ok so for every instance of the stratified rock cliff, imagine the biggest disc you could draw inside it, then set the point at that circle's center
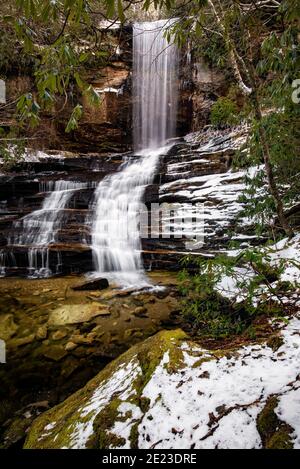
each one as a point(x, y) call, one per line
point(194, 178)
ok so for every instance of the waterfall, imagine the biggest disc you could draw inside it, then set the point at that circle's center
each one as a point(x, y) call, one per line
point(116, 242)
point(155, 70)
point(39, 229)
point(7, 259)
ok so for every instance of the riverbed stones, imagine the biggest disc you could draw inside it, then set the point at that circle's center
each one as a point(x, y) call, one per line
point(96, 284)
point(79, 339)
point(117, 293)
point(7, 326)
point(18, 342)
point(134, 332)
point(140, 312)
point(58, 335)
point(74, 314)
point(70, 346)
point(55, 352)
point(42, 332)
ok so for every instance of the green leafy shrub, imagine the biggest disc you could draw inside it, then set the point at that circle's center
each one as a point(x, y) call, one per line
point(256, 292)
point(224, 112)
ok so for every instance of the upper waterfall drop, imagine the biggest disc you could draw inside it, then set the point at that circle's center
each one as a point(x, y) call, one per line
point(155, 85)
point(116, 242)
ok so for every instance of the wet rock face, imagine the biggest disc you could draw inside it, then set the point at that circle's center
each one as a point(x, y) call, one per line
point(108, 127)
point(199, 88)
point(201, 193)
point(105, 128)
point(24, 191)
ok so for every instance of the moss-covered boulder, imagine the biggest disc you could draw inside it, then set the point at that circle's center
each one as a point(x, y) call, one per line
point(168, 392)
point(85, 419)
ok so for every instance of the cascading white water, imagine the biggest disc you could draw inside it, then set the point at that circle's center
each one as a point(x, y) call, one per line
point(155, 76)
point(116, 240)
point(6, 259)
point(39, 228)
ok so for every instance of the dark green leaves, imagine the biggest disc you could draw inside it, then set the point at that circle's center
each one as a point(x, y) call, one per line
point(75, 116)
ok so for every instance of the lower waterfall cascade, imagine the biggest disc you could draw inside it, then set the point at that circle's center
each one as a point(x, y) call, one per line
point(116, 239)
point(38, 230)
point(116, 243)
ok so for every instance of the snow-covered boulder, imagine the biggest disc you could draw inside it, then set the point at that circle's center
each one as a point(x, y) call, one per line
point(168, 392)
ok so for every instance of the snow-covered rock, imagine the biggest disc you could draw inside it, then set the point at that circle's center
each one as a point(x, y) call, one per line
point(168, 392)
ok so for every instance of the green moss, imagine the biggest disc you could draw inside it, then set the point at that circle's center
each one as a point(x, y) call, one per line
point(274, 433)
point(199, 362)
point(281, 439)
point(134, 435)
point(275, 343)
point(144, 404)
point(15, 432)
point(102, 437)
point(267, 420)
point(150, 357)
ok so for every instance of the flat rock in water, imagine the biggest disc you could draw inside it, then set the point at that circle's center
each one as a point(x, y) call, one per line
point(74, 314)
point(96, 284)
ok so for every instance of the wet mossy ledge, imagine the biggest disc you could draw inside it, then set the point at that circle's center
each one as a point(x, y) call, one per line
point(168, 391)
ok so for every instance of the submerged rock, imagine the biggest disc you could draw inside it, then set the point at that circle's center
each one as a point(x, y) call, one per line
point(55, 352)
point(58, 335)
point(140, 312)
point(70, 346)
point(74, 314)
point(7, 326)
point(18, 342)
point(168, 392)
point(96, 284)
point(42, 332)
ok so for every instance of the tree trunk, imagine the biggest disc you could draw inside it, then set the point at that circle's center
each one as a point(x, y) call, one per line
point(252, 91)
point(268, 168)
point(233, 55)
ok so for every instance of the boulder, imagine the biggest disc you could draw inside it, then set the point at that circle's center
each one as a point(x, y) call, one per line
point(96, 284)
point(18, 342)
point(87, 409)
point(140, 312)
point(170, 392)
point(70, 346)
